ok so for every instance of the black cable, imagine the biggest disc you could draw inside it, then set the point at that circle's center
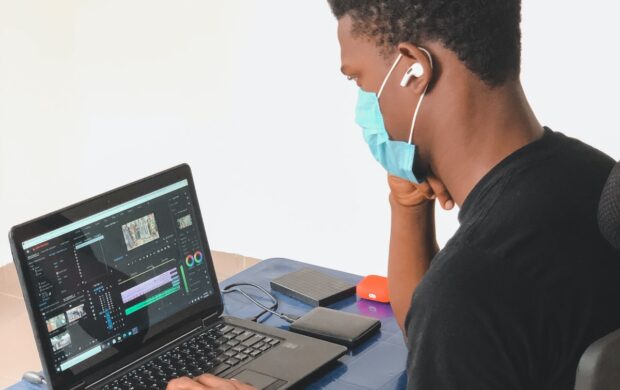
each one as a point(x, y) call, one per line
point(233, 288)
point(266, 310)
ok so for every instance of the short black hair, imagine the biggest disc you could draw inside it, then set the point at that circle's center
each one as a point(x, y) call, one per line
point(484, 34)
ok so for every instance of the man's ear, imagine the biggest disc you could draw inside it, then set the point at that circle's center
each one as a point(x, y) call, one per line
point(419, 67)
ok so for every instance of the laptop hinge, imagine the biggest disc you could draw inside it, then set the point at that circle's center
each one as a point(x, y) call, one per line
point(78, 386)
point(208, 320)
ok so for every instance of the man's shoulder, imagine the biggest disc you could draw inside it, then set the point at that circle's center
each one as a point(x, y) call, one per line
point(541, 195)
point(565, 165)
point(586, 160)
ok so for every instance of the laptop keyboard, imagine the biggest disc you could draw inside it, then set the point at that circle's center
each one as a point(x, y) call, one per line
point(215, 351)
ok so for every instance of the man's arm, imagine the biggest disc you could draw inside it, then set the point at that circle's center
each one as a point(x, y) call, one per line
point(412, 246)
point(412, 238)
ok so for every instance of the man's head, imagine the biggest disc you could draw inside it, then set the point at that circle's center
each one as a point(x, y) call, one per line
point(475, 47)
point(484, 34)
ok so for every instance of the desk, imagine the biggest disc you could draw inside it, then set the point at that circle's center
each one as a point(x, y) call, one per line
point(379, 363)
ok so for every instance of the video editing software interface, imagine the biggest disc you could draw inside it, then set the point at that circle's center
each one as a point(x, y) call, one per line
point(107, 278)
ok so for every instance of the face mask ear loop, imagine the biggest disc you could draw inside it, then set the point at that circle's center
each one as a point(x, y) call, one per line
point(417, 109)
point(388, 75)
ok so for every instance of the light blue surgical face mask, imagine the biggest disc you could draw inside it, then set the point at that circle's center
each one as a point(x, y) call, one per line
point(396, 157)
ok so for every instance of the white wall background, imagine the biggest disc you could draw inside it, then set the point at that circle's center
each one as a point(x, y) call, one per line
point(97, 93)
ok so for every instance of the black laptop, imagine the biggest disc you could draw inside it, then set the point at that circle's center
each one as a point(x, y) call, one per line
point(122, 294)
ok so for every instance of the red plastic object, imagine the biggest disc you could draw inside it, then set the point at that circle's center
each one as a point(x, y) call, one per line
point(374, 288)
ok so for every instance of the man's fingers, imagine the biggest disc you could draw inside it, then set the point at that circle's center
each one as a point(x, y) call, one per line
point(206, 382)
point(184, 384)
point(242, 386)
point(213, 382)
point(440, 190)
point(426, 190)
point(400, 185)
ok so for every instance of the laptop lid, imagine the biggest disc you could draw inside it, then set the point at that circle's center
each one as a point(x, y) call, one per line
point(114, 277)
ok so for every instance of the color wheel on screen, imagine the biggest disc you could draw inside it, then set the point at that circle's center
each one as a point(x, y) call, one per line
point(195, 259)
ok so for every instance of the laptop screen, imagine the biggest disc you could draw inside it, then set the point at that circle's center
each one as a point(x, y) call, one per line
point(102, 281)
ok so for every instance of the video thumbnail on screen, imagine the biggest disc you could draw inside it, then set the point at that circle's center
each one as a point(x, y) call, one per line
point(76, 313)
point(140, 231)
point(185, 221)
point(60, 341)
point(56, 322)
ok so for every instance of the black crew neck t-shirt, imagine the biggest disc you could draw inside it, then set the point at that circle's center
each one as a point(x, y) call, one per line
point(526, 284)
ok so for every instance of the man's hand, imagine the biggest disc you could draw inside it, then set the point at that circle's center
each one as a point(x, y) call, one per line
point(207, 382)
point(408, 194)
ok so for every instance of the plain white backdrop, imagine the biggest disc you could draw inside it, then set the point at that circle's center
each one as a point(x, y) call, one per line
point(97, 93)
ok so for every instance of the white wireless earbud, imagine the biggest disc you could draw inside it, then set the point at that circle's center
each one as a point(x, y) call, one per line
point(416, 70)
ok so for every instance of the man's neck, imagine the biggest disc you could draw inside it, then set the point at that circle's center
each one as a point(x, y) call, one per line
point(484, 127)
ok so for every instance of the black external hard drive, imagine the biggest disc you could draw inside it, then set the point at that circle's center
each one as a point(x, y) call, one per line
point(313, 287)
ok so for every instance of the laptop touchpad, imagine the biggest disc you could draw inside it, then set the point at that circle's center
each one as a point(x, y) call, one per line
point(258, 380)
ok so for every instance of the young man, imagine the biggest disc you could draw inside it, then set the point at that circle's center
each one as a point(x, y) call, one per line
point(527, 282)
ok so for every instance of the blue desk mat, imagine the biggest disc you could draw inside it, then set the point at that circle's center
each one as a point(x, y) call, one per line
point(379, 363)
